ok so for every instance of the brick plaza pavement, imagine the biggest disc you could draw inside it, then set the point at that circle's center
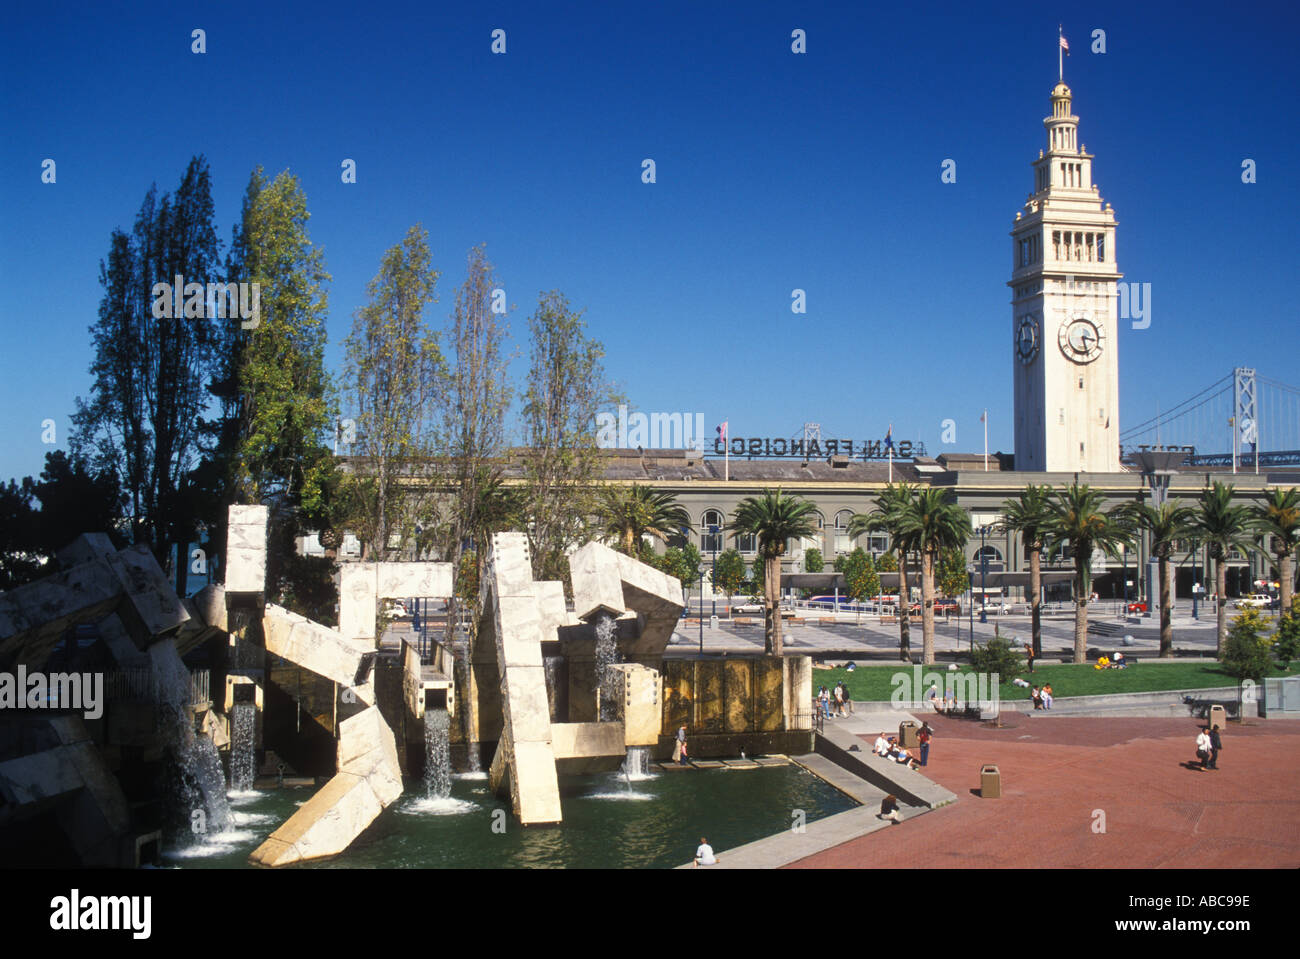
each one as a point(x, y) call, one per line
point(1057, 772)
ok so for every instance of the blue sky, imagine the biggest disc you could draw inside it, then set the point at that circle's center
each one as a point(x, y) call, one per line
point(775, 171)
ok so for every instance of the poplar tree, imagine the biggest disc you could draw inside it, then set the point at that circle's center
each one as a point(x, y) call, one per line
point(143, 420)
point(566, 389)
point(394, 382)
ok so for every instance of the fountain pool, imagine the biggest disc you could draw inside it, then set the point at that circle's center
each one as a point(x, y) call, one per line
point(659, 828)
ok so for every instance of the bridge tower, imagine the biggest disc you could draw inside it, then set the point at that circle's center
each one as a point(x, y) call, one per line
point(1064, 285)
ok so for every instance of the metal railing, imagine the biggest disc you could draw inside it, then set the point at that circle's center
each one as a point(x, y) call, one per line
point(140, 684)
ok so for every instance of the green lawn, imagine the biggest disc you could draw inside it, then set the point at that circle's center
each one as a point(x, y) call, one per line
point(872, 683)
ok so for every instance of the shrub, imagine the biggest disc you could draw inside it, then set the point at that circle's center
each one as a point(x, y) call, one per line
point(996, 656)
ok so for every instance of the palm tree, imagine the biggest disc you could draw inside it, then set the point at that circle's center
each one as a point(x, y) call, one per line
point(1166, 523)
point(890, 505)
point(629, 513)
point(1079, 520)
point(1222, 527)
point(932, 524)
point(1279, 517)
point(773, 519)
point(1030, 516)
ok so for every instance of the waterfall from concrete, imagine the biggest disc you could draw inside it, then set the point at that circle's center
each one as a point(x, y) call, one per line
point(203, 782)
point(636, 765)
point(243, 742)
point(606, 675)
point(437, 754)
point(473, 763)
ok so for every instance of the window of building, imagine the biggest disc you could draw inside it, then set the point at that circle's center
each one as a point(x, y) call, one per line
point(747, 542)
point(711, 541)
point(842, 520)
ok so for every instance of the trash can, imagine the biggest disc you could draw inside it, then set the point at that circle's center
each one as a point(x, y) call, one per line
point(1218, 717)
point(990, 782)
point(907, 734)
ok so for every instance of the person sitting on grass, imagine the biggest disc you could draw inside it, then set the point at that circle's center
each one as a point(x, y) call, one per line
point(1119, 662)
point(1020, 682)
point(1102, 663)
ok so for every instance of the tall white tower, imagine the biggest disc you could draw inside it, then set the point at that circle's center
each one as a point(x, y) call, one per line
point(1063, 301)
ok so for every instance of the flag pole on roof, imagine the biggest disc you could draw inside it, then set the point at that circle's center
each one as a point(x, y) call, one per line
point(1063, 48)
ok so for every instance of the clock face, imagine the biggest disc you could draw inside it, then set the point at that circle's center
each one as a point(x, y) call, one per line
point(1081, 340)
point(1027, 340)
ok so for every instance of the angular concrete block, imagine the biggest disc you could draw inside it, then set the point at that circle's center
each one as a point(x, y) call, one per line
point(528, 713)
point(509, 565)
point(358, 600)
point(86, 548)
point(399, 580)
point(518, 631)
point(551, 607)
point(584, 740)
point(597, 585)
point(535, 789)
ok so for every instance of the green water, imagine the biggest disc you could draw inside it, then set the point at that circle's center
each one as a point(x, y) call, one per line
point(656, 824)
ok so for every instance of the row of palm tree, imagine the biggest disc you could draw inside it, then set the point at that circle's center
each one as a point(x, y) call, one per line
point(923, 522)
point(1076, 517)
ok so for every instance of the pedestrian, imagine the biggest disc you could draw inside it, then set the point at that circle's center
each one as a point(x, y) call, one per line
point(950, 701)
point(923, 737)
point(889, 809)
point(839, 700)
point(1037, 696)
point(679, 748)
point(704, 854)
point(1046, 695)
point(1203, 747)
point(1029, 652)
point(1216, 744)
point(933, 696)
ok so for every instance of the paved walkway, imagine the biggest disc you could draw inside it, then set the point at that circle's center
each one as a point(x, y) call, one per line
point(871, 637)
point(1063, 776)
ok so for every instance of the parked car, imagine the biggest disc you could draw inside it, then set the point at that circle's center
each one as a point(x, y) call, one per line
point(395, 609)
point(1137, 607)
point(1255, 601)
point(997, 607)
point(747, 608)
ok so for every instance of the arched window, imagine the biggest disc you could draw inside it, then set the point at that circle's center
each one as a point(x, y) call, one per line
point(711, 527)
point(994, 556)
point(842, 520)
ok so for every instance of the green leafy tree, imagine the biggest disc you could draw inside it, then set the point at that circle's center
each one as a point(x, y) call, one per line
point(1166, 524)
point(1286, 642)
point(1247, 653)
point(286, 403)
point(933, 524)
point(1078, 519)
point(997, 656)
point(566, 389)
point(886, 517)
point(774, 519)
point(861, 582)
point(395, 384)
point(630, 513)
point(1277, 520)
point(813, 561)
point(729, 574)
point(1222, 527)
point(951, 578)
point(1030, 517)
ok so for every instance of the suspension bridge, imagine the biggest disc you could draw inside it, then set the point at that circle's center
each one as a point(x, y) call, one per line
point(1245, 421)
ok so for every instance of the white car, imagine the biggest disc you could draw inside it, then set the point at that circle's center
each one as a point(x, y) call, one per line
point(1255, 601)
point(747, 608)
point(395, 609)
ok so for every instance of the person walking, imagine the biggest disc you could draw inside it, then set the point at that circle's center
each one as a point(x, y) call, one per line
point(1029, 652)
point(679, 748)
point(1216, 744)
point(923, 737)
point(1203, 747)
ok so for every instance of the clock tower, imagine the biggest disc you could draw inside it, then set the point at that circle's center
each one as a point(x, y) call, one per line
point(1063, 301)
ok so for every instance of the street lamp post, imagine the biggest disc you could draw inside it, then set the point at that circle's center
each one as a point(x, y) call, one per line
point(984, 567)
point(713, 576)
point(701, 612)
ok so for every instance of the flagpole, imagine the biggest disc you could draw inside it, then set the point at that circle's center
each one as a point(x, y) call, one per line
point(985, 418)
point(891, 452)
point(1060, 56)
point(726, 455)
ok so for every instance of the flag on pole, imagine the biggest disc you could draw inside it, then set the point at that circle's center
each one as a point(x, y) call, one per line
point(889, 437)
point(722, 431)
point(984, 416)
point(726, 451)
point(1065, 45)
